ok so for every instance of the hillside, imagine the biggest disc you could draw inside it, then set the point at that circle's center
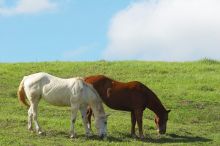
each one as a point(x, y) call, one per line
point(190, 89)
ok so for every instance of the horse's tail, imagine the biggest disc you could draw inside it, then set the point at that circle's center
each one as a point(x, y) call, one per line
point(21, 93)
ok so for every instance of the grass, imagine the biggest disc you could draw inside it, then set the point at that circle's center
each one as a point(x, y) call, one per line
point(191, 90)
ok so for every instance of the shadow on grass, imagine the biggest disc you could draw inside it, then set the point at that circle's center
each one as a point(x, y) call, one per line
point(54, 133)
point(170, 138)
point(174, 138)
point(109, 138)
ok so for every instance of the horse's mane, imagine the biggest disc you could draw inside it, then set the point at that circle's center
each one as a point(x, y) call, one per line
point(79, 78)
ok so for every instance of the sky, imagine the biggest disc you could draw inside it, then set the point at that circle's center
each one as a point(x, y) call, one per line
point(91, 30)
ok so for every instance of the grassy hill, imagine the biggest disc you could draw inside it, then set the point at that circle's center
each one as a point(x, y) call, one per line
point(191, 90)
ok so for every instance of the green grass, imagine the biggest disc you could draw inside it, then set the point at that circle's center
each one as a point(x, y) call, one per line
point(191, 90)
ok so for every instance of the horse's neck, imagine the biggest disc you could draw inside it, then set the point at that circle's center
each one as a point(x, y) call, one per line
point(155, 105)
point(101, 87)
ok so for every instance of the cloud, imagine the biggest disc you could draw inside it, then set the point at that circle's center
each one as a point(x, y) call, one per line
point(167, 30)
point(26, 7)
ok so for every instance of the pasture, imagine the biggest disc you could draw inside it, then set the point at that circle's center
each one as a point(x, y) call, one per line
point(190, 89)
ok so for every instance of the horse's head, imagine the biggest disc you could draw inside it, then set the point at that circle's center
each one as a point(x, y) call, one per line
point(161, 122)
point(101, 125)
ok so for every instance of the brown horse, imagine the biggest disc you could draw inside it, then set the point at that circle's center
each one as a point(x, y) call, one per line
point(132, 96)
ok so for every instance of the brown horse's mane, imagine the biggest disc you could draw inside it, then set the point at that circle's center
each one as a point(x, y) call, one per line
point(154, 100)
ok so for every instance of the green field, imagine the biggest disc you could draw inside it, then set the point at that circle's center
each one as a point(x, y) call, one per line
point(190, 89)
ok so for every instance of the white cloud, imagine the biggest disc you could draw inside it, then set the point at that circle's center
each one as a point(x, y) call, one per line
point(26, 7)
point(168, 30)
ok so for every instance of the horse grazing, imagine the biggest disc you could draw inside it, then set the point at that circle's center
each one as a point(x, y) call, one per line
point(73, 92)
point(132, 96)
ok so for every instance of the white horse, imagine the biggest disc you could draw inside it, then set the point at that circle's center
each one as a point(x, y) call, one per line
point(72, 92)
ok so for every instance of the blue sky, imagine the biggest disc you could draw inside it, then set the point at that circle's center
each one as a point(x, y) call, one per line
point(89, 30)
point(74, 30)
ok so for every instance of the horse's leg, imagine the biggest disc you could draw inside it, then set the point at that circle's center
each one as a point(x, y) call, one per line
point(89, 116)
point(83, 110)
point(139, 115)
point(133, 123)
point(74, 110)
point(30, 116)
point(34, 109)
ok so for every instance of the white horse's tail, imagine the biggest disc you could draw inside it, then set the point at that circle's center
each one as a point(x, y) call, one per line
point(21, 93)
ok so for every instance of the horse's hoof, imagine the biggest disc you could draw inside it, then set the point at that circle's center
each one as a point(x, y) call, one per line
point(102, 136)
point(73, 136)
point(41, 133)
point(88, 135)
point(105, 138)
point(30, 129)
point(134, 136)
point(142, 137)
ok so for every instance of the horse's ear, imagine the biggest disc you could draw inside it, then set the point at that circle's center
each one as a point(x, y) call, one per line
point(168, 111)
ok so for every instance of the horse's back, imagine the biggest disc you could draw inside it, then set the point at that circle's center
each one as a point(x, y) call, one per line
point(37, 77)
point(34, 80)
point(59, 91)
point(51, 88)
point(62, 92)
point(128, 96)
point(118, 95)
